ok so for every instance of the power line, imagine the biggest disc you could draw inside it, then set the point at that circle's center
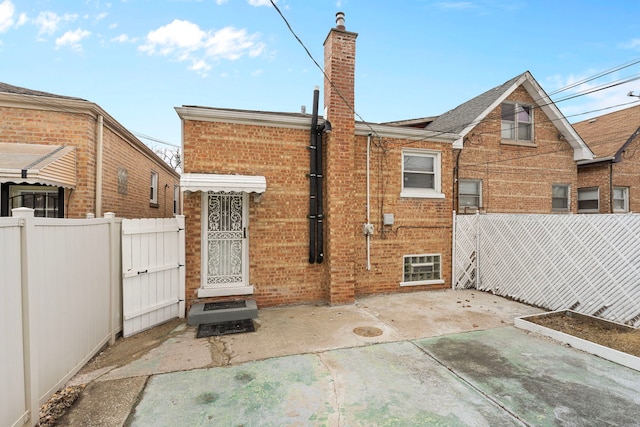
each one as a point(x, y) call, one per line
point(351, 107)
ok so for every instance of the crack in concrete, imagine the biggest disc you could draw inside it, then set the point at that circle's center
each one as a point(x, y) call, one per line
point(338, 392)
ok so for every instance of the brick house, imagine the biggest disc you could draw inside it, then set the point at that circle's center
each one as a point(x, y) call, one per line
point(610, 183)
point(268, 218)
point(519, 153)
point(66, 157)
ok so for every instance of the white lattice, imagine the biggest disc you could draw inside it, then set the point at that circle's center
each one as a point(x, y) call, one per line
point(589, 263)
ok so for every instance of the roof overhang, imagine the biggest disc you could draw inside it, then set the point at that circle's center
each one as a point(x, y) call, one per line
point(192, 182)
point(53, 165)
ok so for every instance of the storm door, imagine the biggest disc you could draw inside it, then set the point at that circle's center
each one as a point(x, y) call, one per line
point(225, 248)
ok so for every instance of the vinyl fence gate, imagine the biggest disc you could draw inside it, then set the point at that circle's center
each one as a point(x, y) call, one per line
point(587, 263)
point(153, 272)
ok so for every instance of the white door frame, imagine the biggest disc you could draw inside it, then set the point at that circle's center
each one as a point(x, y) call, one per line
point(242, 288)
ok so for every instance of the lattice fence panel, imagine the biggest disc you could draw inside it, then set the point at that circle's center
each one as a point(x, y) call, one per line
point(589, 263)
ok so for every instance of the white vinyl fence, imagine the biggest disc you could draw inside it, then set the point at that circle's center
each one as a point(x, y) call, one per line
point(588, 263)
point(61, 282)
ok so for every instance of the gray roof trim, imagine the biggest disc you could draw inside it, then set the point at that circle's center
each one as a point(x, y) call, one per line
point(388, 131)
point(245, 117)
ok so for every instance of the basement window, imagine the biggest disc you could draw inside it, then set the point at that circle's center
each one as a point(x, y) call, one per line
point(424, 269)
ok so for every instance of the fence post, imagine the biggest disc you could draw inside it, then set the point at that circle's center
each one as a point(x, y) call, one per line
point(181, 263)
point(453, 252)
point(29, 314)
point(113, 275)
point(478, 250)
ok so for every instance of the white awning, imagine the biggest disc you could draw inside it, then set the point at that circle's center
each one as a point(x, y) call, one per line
point(214, 182)
point(38, 164)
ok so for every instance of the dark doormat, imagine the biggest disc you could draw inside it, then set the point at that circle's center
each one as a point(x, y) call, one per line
point(225, 328)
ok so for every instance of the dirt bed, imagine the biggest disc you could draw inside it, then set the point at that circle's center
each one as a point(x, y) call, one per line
point(608, 335)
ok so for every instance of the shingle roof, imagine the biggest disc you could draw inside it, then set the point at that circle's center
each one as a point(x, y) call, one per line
point(460, 117)
point(608, 134)
point(7, 88)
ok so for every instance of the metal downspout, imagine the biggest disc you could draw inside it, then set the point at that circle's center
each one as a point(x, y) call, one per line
point(368, 235)
point(99, 168)
point(313, 182)
point(319, 207)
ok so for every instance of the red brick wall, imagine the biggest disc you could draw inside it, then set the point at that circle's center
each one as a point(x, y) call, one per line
point(622, 174)
point(278, 222)
point(33, 126)
point(517, 178)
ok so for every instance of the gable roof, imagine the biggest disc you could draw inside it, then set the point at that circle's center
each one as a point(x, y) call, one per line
point(17, 90)
point(610, 134)
point(465, 117)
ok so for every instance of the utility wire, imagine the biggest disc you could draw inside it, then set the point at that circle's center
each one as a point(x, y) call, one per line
point(351, 107)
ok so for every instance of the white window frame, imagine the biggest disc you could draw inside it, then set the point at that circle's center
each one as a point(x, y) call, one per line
point(589, 210)
point(153, 199)
point(406, 282)
point(47, 191)
point(428, 193)
point(568, 198)
point(464, 209)
point(176, 199)
point(513, 125)
point(625, 199)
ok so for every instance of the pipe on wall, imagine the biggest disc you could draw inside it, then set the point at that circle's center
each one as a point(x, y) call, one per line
point(313, 181)
point(368, 235)
point(99, 148)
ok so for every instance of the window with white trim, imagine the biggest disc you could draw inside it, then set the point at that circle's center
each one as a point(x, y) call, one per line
point(153, 196)
point(469, 195)
point(560, 197)
point(589, 200)
point(421, 174)
point(176, 199)
point(517, 122)
point(621, 199)
point(423, 269)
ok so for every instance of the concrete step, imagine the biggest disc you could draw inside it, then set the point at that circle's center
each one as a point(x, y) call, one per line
point(219, 312)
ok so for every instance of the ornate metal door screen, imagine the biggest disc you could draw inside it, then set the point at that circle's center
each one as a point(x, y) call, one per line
point(226, 240)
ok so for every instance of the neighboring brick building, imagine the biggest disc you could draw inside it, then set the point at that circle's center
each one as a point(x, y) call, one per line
point(67, 157)
point(610, 183)
point(519, 153)
point(256, 224)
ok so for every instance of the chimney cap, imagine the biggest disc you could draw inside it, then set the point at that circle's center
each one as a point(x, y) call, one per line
point(340, 21)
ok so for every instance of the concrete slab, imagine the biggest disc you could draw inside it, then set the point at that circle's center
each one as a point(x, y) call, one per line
point(540, 381)
point(105, 404)
point(386, 384)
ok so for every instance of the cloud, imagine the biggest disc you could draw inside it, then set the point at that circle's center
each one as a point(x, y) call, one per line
point(124, 38)
point(72, 39)
point(220, 2)
point(48, 22)
point(460, 5)
point(633, 44)
point(186, 41)
point(258, 3)
point(6, 15)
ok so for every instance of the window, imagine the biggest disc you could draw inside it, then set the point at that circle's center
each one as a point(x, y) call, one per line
point(42, 199)
point(621, 199)
point(422, 270)
point(560, 197)
point(517, 122)
point(154, 188)
point(176, 199)
point(421, 174)
point(469, 195)
point(588, 199)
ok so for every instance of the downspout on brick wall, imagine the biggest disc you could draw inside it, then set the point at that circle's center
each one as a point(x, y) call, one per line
point(341, 221)
point(99, 168)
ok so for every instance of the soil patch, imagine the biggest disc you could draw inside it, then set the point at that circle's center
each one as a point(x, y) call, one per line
point(595, 330)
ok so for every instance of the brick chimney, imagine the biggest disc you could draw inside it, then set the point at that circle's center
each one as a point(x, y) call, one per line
point(341, 217)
